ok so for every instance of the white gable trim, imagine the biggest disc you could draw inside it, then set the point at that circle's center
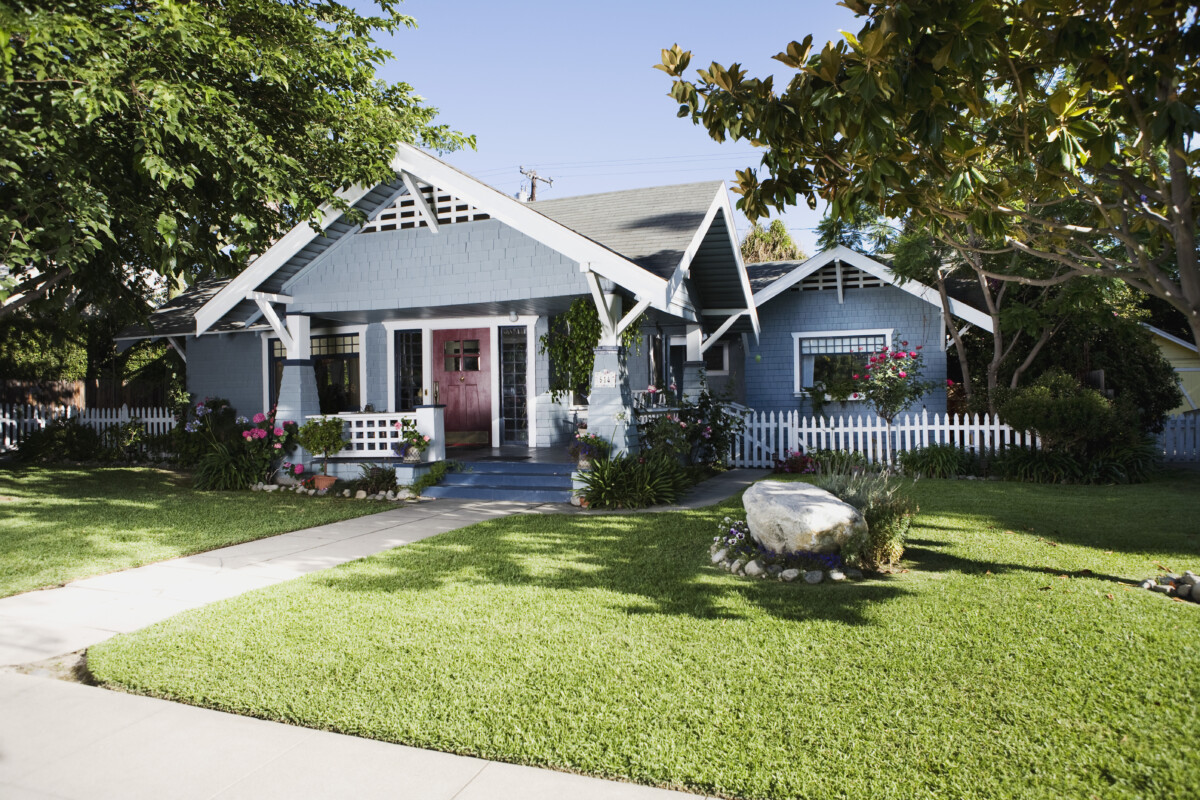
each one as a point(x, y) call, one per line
point(587, 253)
point(683, 270)
point(872, 267)
point(276, 256)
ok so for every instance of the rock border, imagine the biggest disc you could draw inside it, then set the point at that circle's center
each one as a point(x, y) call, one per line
point(400, 495)
point(1182, 587)
point(757, 568)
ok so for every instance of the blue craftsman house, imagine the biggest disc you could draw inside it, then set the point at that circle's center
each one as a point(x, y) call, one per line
point(429, 306)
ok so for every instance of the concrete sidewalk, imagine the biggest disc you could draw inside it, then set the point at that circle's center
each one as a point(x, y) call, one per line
point(39, 625)
point(66, 740)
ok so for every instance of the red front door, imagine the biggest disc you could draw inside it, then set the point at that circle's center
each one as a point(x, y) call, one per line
point(462, 380)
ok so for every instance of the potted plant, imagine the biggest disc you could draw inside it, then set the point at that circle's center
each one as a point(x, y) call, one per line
point(323, 436)
point(411, 443)
point(586, 447)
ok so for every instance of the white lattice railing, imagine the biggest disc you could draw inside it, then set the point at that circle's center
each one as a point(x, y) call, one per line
point(371, 434)
point(1180, 439)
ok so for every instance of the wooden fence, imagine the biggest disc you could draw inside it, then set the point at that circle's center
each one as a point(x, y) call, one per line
point(18, 421)
point(771, 435)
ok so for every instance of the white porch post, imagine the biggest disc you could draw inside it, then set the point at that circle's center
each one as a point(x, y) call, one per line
point(431, 422)
point(693, 362)
point(610, 404)
point(298, 390)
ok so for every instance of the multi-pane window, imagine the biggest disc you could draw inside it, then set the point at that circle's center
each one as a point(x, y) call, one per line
point(336, 366)
point(832, 361)
point(514, 350)
point(461, 355)
point(409, 375)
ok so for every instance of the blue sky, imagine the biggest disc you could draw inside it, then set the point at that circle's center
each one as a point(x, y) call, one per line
point(569, 88)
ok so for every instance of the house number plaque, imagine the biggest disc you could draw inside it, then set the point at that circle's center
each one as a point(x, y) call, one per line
point(606, 379)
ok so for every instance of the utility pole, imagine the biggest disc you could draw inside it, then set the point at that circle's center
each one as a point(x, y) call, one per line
point(533, 179)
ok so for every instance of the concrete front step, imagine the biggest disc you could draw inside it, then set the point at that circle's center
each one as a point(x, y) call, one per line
point(511, 493)
point(518, 481)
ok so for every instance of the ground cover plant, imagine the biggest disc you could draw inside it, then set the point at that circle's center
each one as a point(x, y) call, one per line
point(59, 524)
point(1011, 657)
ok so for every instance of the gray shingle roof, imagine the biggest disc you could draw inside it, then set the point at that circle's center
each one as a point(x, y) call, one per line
point(650, 227)
point(765, 273)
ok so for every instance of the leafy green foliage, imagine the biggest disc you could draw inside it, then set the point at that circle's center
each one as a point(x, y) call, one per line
point(182, 138)
point(571, 341)
point(589, 445)
point(1065, 131)
point(62, 439)
point(325, 436)
point(772, 243)
point(886, 506)
point(633, 482)
point(375, 479)
point(226, 467)
point(937, 461)
point(434, 475)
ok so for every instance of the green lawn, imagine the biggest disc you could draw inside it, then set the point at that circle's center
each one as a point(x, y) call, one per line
point(1011, 659)
point(59, 524)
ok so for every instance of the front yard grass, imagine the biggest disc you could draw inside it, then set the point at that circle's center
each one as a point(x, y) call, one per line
point(58, 524)
point(1013, 657)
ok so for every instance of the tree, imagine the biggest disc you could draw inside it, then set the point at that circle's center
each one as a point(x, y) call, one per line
point(151, 139)
point(863, 229)
point(982, 122)
point(773, 243)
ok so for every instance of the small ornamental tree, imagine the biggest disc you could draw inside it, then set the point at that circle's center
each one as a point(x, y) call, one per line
point(891, 380)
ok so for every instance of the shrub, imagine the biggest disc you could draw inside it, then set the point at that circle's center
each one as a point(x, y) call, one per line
point(375, 479)
point(711, 430)
point(632, 482)
point(887, 510)
point(588, 445)
point(325, 436)
point(1119, 462)
point(829, 461)
point(61, 439)
point(796, 463)
point(936, 461)
point(226, 467)
point(662, 434)
point(437, 471)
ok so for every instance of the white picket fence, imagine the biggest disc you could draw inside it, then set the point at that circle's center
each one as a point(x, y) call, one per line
point(18, 421)
point(1180, 439)
point(772, 435)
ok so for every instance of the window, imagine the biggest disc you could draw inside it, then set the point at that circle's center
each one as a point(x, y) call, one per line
point(336, 364)
point(461, 355)
point(716, 359)
point(408, 370)
point(514, 349)
point(831, 358)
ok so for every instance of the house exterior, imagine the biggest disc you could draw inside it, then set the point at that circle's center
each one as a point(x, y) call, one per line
point(430, 306)
point(439, 297)
point(1184, 357)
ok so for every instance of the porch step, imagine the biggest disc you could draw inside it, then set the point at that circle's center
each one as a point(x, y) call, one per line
point(518, 481)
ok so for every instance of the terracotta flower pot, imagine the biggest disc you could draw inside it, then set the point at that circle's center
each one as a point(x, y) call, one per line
point(323, 481)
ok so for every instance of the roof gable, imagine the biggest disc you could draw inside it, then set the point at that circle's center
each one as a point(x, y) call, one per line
point(776, 278)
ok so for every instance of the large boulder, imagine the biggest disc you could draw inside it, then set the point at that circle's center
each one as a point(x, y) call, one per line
point(786, 517)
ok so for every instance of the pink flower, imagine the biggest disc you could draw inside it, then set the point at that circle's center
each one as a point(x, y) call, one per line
point(298, 469)
point(651, 389)
point(683, 425)
point(260, 417)
point(259, 433)
point(427, 438)
point(279, 431)
point(245, 434)
point(903, 374)
point(856, 376)
point(672, 387)
point(913, 354)
point(289, 422)
point(949, 382)
point(278, 446)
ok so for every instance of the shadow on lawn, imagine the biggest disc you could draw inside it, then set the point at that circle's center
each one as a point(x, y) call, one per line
point(927, 556)
point(640, 564)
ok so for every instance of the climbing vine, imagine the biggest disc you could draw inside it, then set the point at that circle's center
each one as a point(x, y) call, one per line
point(570, 343)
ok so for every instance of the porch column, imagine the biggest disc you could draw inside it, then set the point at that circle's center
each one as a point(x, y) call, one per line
point(298, 391)
point(431, 422)
point(610, 405)
point(693, 363)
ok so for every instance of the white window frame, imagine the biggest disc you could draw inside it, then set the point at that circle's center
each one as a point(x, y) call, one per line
point(798, 367)
point(681, 341)
point(341, 330)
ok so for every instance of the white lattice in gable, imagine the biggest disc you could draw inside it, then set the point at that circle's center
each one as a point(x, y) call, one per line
point(405, 213)
point(826, 279)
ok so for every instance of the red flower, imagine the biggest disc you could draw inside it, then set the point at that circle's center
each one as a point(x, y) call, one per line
point(949, 382)
point(856, 376)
